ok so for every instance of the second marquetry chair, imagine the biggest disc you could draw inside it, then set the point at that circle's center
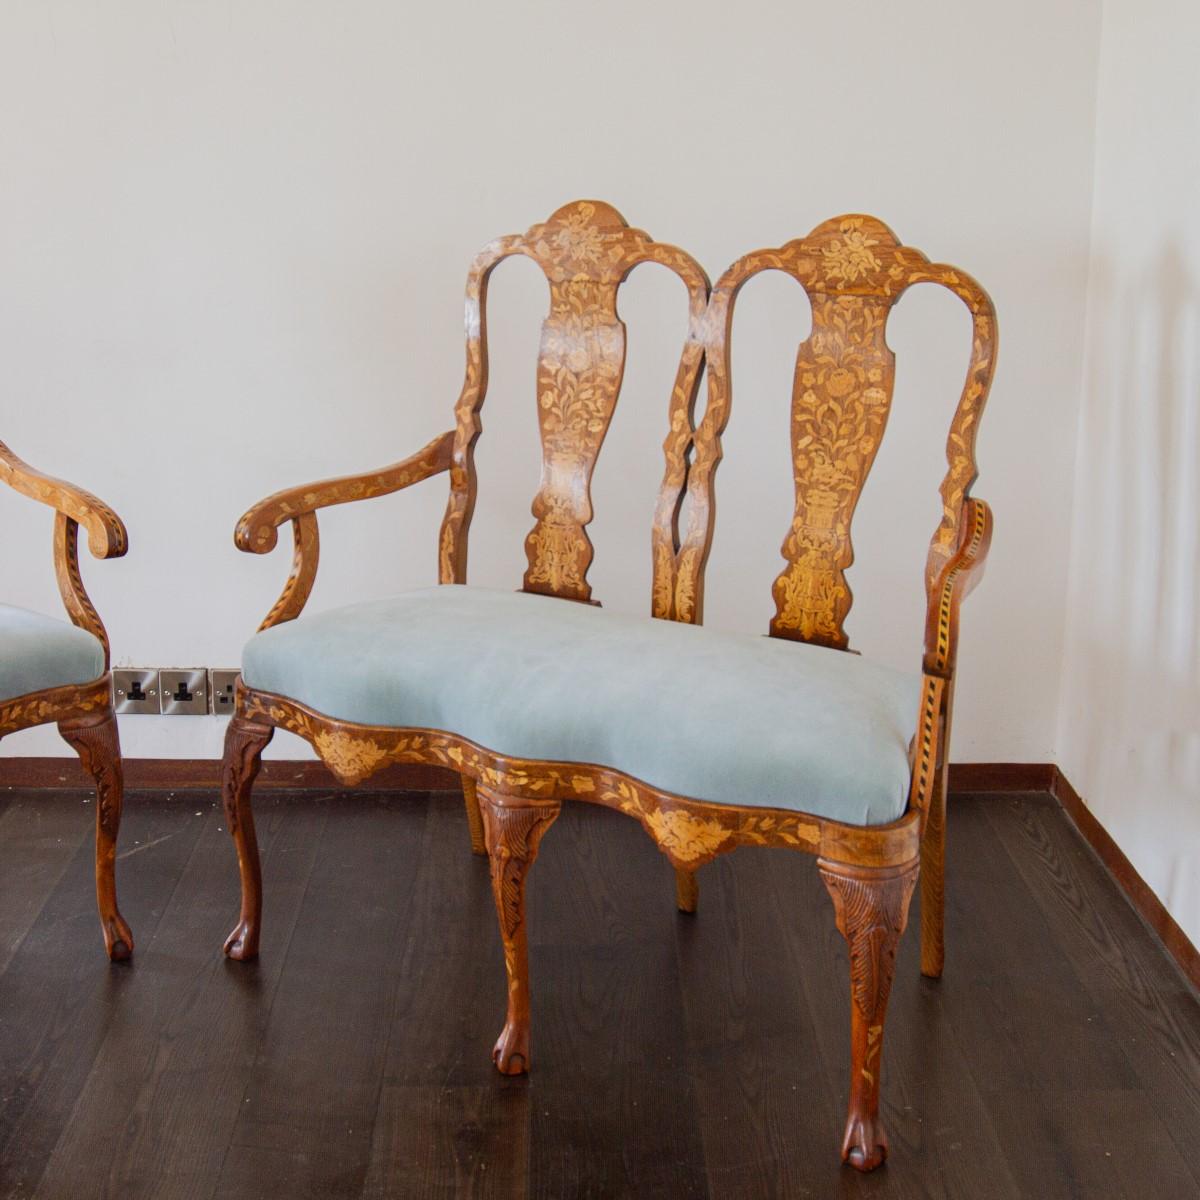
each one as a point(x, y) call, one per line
point(710, 740)
point(54, 671)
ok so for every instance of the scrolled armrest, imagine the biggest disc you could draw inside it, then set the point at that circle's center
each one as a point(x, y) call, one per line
point(256, 532)
point(956, 580)
point(106, 531)
point(73, 507)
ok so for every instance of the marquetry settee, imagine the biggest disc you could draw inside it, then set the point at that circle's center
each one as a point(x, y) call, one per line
point(711, 741)
point(54, 671)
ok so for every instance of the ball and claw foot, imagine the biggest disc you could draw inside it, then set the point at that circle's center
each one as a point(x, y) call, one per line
point(865, 1145)
point(511, 1054)
point(242, 943)
point(118, 940)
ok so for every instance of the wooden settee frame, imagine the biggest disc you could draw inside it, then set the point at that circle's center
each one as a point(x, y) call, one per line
point(853, 270)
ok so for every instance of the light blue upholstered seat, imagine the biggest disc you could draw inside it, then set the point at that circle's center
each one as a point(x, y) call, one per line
point(730, 718)
point(38, 652)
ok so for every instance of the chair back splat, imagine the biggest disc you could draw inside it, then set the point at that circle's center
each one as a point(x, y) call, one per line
point(853, 270)
point(586, 251)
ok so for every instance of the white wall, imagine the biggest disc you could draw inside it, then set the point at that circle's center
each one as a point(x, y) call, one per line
point(1129, 733)
point(233, 240)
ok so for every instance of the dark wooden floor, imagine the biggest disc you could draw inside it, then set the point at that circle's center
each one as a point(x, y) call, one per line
point(674, 1056)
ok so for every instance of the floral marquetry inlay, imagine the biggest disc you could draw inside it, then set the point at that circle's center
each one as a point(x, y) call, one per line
point(579, 377)
point(55, 704)
point(352, 759)
point(689, 832)
point(843, 386)
point(849, 256)
point(685, 836)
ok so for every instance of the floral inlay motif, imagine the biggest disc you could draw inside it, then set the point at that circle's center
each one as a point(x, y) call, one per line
point(583, 352)
point(578, 242)
point(840, 407)
point(579, 377)
point(348, 757)
point(848, 257)
point(684, 836)
point(685, 588)
point(55, 704)
point(688, 835)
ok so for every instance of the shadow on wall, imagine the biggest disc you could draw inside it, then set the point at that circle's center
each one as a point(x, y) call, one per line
point(1130, 725)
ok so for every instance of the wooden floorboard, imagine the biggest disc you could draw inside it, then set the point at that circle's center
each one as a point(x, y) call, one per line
point(613, 1017)
point(1127, 979)
point(767, 1119)
point(673, 1055)
point(447, 1123)
point(61, 999)
point(37, 843)
point(307, 1117)
point(158, 1111)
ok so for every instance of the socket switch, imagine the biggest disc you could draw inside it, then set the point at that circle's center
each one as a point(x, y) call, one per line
point(223, 688)
point(183, 691)
point(135, 690)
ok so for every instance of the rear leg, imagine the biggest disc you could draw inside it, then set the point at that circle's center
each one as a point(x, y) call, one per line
point(933, 883)
point(687, 890)
point(474, 818)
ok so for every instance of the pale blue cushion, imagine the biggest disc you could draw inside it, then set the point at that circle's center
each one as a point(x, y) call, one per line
point(38, 652)
point(731, 718)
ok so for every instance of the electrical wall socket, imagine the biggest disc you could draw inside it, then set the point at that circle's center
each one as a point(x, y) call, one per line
point(183, 691)
point(223, 688)
point(135, 690)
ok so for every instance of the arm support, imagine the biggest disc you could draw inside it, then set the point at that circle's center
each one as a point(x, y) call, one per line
point(257, 531)
point(106, 535)
point(954, 582)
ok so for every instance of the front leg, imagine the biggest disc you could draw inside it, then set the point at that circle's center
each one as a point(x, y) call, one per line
point(514, 827)
point(96, 742)
point(244, 743)
point(871, 904)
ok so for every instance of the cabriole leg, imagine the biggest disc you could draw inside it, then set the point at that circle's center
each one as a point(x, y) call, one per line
point(96, 742)
point(474, 819)
point(514, 829)
point(871, 904)
point(687, 890)
point(244, 744)
point(933, 884)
